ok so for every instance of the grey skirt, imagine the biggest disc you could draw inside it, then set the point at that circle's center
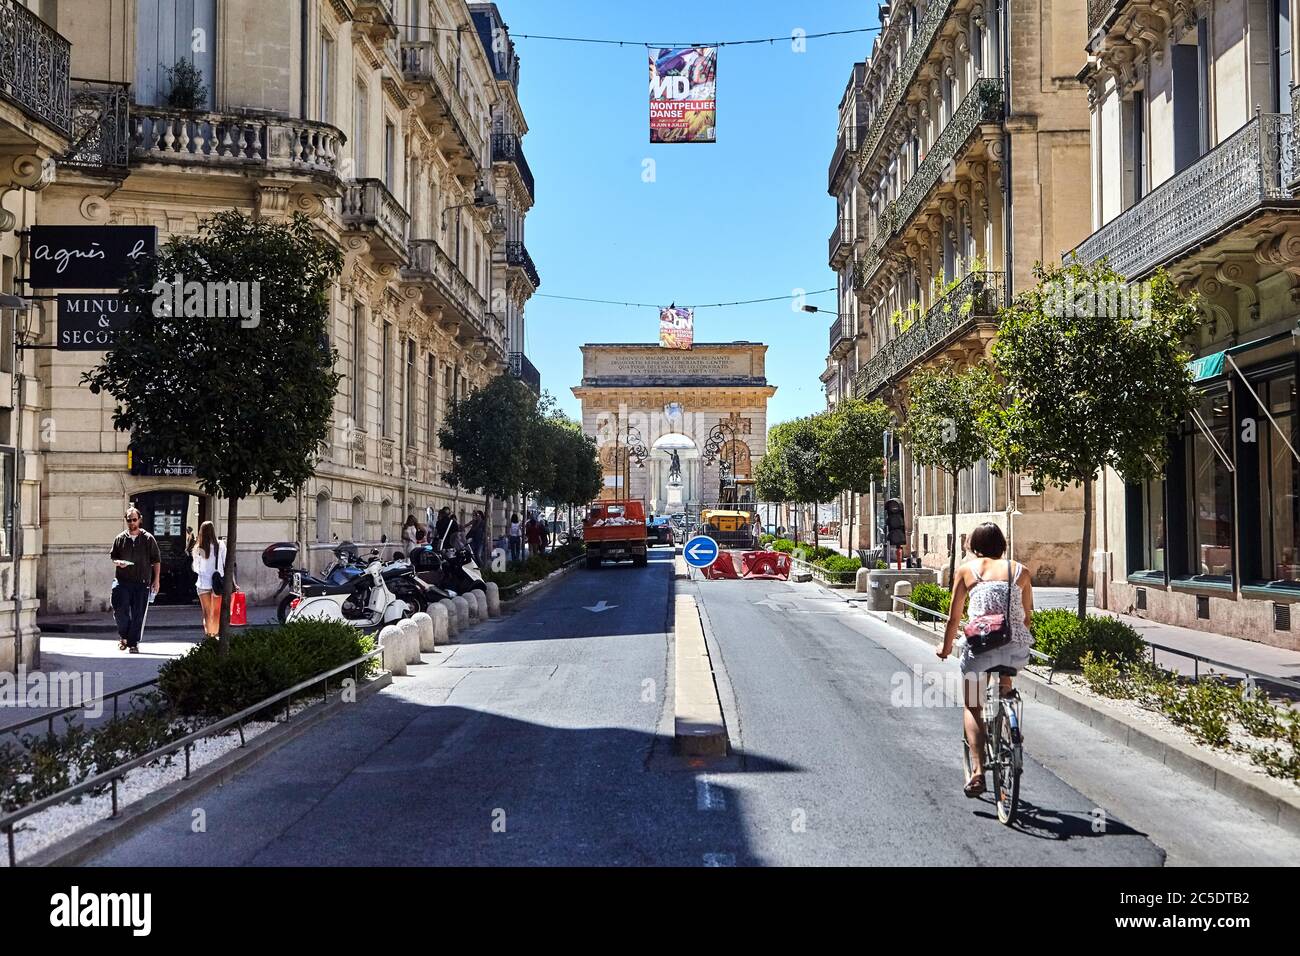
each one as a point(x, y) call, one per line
point(1008, 655)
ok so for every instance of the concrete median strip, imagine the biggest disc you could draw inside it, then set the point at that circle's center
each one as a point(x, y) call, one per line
point(699, 729)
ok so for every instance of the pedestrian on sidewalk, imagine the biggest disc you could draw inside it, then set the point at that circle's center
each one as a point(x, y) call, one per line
point(514, 535)
point(409, 534)
point(138, 561)
point(446, 530)
point(534, 530)
point(209, 562)
point(475, 534)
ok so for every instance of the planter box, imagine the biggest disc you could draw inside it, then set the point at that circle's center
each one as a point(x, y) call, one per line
point(880, 584)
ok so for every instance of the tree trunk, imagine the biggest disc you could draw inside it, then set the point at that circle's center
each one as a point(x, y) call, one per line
point(1087, 547)
point(952, 560)
point(228, 573)
point(482, 558)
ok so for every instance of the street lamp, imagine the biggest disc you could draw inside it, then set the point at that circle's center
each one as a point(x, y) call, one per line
point(482, 200)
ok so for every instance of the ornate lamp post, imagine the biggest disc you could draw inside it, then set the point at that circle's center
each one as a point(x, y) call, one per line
point(722, 435)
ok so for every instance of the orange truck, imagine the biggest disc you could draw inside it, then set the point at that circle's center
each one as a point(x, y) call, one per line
point(615, 531)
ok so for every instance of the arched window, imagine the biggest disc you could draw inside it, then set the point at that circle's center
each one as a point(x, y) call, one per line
point(358, 519)
point(323, 516)
point(386, 518)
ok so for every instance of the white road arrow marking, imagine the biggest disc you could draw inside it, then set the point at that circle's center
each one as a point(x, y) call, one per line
point(600, 606)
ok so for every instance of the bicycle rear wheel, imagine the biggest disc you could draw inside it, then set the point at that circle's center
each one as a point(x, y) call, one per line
point(1006, 772)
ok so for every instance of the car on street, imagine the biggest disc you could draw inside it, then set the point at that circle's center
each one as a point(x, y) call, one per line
point(660, 531)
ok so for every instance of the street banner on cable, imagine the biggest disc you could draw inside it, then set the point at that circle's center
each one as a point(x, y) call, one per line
point(683, 84)
point(676, 328)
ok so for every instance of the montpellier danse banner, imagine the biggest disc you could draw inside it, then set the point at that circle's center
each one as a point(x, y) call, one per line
point(676, 328)
point(683, 88)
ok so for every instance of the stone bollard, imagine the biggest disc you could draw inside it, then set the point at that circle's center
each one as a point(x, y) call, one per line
point(453, 621)
point(472, 605)
point(902, 589)
point(438, 613)
point(410, 632)
point(493, 594)
point(425, 623)
point(460, 605)
point(394, 654)
point(480, 604)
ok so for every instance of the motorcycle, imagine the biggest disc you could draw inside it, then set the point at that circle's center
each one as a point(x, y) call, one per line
point(283, 555)
point(454, 570)
point(401, 578)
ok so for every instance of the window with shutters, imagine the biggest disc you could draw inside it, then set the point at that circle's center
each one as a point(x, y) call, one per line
point(167, 31)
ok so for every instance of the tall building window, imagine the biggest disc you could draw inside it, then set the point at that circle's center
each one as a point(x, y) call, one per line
point(390, 152)
point(1145, 515)
point(386, 382)
point(325, 92)
point(1279, 479)
point(431, 405)
point(358, 366)
point(1210, 513)
point(164, 34)
point(360, 125)
point(1282, 55)
point(1203, 58)
point(408, 393)
point(323, 516)
point(1139, 144)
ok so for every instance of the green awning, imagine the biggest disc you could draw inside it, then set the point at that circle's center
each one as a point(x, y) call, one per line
point(1207, 366)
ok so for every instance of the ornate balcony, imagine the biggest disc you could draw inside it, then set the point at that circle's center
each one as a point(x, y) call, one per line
point(440, 101)
point(370, 209)
point(100, 141)
point(254, 144)
point(935, 13)
point(1249, 170)
point(866, 268)
point(448, 293)
point(375, 18)
point(525, 371)
point(973, 302)
point(844, 147)
point(517, 255)
point(841, 243)
point(841, 337)
point(507, 148)
point(34, 78)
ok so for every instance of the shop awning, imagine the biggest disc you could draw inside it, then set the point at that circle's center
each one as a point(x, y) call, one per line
point(1207, 366)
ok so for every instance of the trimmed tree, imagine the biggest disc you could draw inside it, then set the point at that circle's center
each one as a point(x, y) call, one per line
point(946, 424)
point(801, 449)
point(246, 400)
point(1096, 376)
point(854, 439)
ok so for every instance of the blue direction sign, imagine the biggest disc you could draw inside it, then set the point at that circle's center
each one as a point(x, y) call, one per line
point(701, 551)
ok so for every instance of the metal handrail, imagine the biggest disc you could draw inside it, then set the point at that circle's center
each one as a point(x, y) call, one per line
point(1033, 652)
point(72, 708)
point(1198, 659)
point(111, 777)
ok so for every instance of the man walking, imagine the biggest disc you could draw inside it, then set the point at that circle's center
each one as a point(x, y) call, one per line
point(138, 561)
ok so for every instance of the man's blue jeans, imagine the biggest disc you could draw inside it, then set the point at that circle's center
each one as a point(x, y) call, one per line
point(130, 601)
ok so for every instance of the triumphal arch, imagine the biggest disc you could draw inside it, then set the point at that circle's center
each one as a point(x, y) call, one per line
point(672, 424)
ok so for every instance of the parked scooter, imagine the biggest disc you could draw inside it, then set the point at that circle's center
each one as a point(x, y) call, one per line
point(399, 575)
point(365, 602)
point(283, 555)
point(454, 570)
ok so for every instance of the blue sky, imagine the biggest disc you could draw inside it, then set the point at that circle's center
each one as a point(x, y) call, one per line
point(746, 217)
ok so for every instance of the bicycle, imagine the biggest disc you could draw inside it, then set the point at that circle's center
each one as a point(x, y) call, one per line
point(1002, 745)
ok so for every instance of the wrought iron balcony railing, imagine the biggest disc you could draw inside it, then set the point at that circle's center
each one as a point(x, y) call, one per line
point(935, 13)
point(975, 300)
point(867, 267)
point(525, 371)
point(840, 336)
point(34, 67)
point(1099, 11)
point(429, 264)
point(983, 104)
point(517, 255)
point(840, 243)
point(277, 143)
point(1250, 168)
point(100, 140)
point(844, 147)
point(507, 148)
point(368, 205)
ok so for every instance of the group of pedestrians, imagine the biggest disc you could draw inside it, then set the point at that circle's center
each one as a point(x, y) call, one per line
point(533, 531)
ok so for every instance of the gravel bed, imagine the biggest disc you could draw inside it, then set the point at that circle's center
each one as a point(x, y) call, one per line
point(43, 829)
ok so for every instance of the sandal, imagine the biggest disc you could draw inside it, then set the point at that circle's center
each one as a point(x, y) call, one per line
point(121, 644)
point(974, 787)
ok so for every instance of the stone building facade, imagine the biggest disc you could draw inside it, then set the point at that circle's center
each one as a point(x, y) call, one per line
point(376, 118)
point(643, 403)
point(1194, 116)
point(963, 138)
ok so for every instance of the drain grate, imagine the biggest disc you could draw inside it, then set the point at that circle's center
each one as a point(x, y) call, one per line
point(1281, 617)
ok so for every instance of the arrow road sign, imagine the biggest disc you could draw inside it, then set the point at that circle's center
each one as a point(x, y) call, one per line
point(701, 551)
point(601, 606)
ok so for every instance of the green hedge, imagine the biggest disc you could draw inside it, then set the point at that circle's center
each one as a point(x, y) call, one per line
point(258, 664)
point(839, 564)
point(1063, 637)
point(931, 596)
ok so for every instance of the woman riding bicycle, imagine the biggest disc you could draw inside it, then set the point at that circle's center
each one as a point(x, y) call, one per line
point(984, 581)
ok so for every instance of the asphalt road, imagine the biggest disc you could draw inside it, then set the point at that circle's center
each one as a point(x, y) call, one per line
point(545, 737)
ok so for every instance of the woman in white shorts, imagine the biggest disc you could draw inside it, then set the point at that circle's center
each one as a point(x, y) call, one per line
point(985, 581)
